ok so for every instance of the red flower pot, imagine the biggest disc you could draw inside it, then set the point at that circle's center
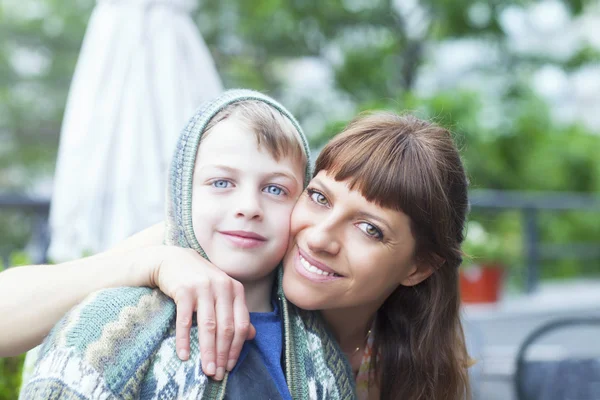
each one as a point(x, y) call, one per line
point(481, 284)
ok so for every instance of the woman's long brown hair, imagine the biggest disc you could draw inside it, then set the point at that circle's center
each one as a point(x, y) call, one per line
point(410, 165)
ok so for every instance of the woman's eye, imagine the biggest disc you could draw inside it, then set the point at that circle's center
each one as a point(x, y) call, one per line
point(317, 197)
point(274, 190)
point(221, 183)
point(370, 230)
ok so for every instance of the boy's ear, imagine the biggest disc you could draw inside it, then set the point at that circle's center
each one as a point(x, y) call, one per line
point(422, 271)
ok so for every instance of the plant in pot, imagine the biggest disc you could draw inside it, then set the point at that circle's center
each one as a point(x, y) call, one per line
point(487, 256)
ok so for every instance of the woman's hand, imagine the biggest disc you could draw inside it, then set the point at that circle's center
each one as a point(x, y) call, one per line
point(197, 285)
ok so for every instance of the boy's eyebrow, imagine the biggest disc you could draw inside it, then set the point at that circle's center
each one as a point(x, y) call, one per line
point(284, 174)
point(223, 167)
point(235, 170)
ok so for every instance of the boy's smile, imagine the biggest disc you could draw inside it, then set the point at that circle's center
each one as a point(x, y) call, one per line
point(244, 239)
point(242, 201)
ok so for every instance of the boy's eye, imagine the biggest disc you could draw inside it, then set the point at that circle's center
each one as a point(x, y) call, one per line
point(370, 230)
point(274, 190)
point(221, 183)
point(317, 197)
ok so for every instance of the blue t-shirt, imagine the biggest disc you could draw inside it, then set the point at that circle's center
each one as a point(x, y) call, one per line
point(260, 357)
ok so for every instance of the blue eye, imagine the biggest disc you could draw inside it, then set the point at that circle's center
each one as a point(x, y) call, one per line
point(221, 183)
point(274, 190)
point(370, 230)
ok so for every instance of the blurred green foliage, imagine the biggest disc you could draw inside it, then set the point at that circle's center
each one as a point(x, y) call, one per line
point(15, 231)
point(376, 52)
point(10, 377)
point(11, 367)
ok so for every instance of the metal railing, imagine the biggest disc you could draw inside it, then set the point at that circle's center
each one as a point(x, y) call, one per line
point(528, 203)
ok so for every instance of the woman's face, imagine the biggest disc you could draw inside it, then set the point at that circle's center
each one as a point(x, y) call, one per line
point(345, 251)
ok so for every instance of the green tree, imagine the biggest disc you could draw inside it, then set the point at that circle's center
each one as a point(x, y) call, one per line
point(41, 41)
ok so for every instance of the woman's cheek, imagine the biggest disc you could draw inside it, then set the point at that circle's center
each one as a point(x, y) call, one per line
point(294, 218)
point(300, 219)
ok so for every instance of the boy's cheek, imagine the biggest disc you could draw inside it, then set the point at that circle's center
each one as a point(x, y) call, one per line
point(282, 231)
point(281, 213)
point(283, 244)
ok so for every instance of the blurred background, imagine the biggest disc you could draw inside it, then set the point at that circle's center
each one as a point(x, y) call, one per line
point(517, 81)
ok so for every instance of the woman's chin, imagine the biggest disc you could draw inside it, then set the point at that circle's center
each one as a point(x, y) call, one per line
point(300, 296)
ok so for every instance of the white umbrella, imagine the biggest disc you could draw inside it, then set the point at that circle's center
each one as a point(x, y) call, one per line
point(142, 71)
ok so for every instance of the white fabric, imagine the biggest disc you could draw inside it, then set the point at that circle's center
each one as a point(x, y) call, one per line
point(142, 71)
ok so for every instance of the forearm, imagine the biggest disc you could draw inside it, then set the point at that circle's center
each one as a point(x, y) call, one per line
point(35, 297)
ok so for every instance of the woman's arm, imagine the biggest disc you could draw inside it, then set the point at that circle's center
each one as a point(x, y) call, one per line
point(33, 298)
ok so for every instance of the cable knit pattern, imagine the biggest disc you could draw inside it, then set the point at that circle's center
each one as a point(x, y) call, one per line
point(120, 343)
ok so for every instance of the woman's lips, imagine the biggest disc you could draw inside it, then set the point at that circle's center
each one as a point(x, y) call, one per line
point(244, 239)
point(313, 270)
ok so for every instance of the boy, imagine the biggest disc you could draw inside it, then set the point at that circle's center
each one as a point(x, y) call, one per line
point(239, 166)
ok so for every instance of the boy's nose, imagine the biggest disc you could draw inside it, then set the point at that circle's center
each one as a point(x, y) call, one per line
point(249, 208)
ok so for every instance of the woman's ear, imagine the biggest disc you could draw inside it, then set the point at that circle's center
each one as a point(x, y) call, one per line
point(422, 271)
point(418, 275)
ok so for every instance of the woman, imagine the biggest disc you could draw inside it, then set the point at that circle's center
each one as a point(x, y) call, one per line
point(375, 245)
point(400, 181)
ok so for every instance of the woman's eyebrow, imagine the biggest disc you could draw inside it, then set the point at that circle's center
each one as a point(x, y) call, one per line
point(318, 181)
point(362, 214)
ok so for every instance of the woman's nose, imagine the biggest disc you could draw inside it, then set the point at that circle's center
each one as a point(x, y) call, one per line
point(322, 238)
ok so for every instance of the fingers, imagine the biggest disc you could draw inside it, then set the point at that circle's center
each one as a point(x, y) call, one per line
point(222, 316)
point(251, 332)
point(207, 328)
point(225, 326)
point(243, 328)
point(185, 310)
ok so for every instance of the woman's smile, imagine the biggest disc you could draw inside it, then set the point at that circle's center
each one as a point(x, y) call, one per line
point(312, 269)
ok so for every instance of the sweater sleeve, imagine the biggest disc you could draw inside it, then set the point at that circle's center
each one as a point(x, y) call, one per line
point(62, 374)
point(102, 347)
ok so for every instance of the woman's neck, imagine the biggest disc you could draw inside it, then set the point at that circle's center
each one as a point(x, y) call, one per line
point(350, 326)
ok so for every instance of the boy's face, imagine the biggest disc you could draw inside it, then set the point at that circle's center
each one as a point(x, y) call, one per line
point(242, 201)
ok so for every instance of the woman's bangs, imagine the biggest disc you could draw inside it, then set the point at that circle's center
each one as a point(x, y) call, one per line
point(377, 169)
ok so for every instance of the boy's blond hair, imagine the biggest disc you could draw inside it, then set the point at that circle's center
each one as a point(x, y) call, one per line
point(273, 130)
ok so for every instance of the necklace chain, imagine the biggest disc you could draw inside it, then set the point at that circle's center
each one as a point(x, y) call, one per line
point(365, 341)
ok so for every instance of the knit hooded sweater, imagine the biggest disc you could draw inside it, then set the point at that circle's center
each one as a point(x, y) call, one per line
point(120, 343)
